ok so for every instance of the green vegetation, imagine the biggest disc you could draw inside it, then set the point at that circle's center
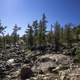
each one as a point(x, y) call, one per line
point(38, 37)
point(77, 55)
point(2, 31)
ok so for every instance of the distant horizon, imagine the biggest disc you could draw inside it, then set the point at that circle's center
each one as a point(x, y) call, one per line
point(24, 12)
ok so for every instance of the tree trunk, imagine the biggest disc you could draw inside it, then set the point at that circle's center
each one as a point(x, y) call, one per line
point(4, 42)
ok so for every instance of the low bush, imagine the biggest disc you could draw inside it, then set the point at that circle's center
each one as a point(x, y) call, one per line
point(77, 55)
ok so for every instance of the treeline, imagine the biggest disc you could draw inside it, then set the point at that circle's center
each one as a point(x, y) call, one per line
point(36, 35)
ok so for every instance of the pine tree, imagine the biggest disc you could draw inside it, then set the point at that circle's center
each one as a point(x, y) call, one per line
point(50, 36)
point(68, 35)
point(1, 41)
point(8, 39)
point(78, 33)
point(24, 37)
point(42, 31)
point(29, 33)
point(62, 35)
point(35, 32)
point(2, 31)
point(57, 36)
point(15, 35)
point(74, 32)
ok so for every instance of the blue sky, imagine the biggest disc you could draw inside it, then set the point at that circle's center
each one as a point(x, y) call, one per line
point(22, 12)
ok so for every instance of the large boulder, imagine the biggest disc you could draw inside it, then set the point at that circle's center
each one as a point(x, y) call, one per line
point(50, 63)
point(26, 72)
point(43, 67)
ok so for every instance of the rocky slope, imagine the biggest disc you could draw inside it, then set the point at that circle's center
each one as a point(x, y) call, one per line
point(16, 64)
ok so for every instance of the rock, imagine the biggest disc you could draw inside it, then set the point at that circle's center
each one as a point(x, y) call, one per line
point(18, 64)
point(57, 68)
point(62, 75)
point(2, 69)
point(15, 74)
point(26, 72)
point(43, 67)
point(27, 61)
point(8, 77)
point(10, 61)
point(74, 74)
point(60, 58)
point(51, 63)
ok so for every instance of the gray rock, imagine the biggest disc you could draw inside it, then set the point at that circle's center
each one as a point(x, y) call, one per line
point(26, 72)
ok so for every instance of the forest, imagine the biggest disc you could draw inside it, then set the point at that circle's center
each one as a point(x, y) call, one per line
point(37, 35)
point(32, 48)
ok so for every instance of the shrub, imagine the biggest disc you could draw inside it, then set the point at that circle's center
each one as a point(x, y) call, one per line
point(78, 54)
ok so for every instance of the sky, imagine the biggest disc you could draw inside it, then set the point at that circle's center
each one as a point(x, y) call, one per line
point(24, 12)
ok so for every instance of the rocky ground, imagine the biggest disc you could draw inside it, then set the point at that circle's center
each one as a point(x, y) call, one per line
point(19, 64)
